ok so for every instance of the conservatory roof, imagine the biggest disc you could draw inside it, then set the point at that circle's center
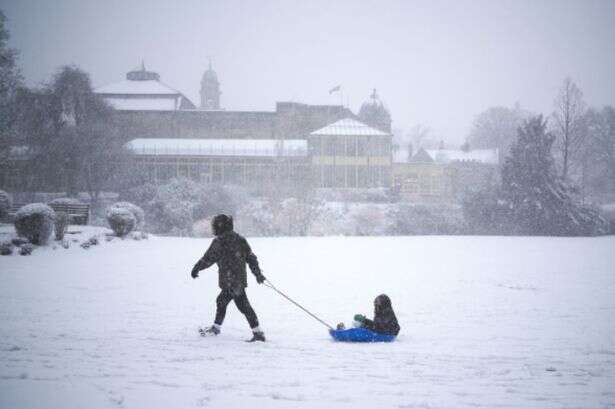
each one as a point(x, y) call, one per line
point(218, 147)
point(348, 126)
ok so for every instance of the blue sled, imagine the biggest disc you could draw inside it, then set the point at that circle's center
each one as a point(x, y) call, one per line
point(359, 335)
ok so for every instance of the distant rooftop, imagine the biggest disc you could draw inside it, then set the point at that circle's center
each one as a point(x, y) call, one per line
point(142, 90)
point(218, 147)
point(447, 156)
point(348, 126)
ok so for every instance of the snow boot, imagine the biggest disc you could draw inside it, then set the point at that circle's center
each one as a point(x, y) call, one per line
point(209, 331)
point(257, 336)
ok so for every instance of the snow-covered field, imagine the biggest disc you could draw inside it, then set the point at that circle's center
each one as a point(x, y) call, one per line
point(489, 322)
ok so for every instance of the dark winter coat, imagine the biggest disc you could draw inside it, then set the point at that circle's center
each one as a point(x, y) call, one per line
point(231, 252)
point(385, 321)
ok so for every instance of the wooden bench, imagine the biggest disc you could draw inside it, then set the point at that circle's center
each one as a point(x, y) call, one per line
point(77, 213)
point(12, 210)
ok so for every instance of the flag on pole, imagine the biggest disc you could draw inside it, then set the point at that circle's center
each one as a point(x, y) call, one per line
point(335, 89)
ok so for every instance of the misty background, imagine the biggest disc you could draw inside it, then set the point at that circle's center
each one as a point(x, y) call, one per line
point(434, 63)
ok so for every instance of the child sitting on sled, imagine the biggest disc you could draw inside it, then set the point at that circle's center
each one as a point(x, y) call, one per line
point(384, 322)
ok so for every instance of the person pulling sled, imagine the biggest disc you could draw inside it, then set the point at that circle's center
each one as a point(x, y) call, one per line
point(230, 252)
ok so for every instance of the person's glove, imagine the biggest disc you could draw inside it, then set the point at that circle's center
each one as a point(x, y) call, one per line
point(260, 278)
point(195, 272)
point(359, 318)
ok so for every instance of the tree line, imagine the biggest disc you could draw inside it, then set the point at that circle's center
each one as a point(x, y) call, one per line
point(60, 136)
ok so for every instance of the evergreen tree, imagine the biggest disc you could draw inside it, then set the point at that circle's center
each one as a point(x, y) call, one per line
point(540, 202)
point(10, 81)
point(71, 137)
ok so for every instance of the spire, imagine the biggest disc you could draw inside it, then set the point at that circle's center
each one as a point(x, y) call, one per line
point(210, 88)
point(374, 95)
point(142, 65)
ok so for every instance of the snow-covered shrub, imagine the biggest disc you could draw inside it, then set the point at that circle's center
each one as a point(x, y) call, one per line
point(180, 202)
point(6, 248)
point(608, 214)
point(61, 223)
point(485, 213)
point(140, 195)
point(26, 249)
point(35, 222)
point(369, 221)
point(294, 217)
point(407, 219)
point(136, 211)
point(65, 201)
point(121, 220)
point(5, 204)
point(19, 241)
point(332, 220)
point(85, 245)
point(255, 218)
point(201, 228)
point(65, 244)
point(93, 240)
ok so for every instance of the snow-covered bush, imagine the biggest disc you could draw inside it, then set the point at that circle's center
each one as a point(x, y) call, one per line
point(6, 248)
point(201, 228)
point(485, 213)
point(35, 222)
point(136, 211)
point(369, 221)
point(26, 249)
point(608, 214)
point(19, 241)
point(61, 223)
point(121, 220)
point(295, 217)
point(5, 204)
point(407, 219)
point(332, 220)
point(178, 204)
point(255, 218)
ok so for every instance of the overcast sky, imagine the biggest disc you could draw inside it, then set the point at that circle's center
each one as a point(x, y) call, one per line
point(437, 63)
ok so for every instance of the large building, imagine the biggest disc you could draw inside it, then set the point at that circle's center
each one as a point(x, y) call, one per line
point(324, 145)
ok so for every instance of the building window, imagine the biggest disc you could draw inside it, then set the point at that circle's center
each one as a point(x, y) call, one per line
point(351, 146)
point(361, 146)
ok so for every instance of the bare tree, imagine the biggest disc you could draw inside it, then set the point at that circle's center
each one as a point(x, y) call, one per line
point(419, 135)
point(496, 127)
point(569, 117)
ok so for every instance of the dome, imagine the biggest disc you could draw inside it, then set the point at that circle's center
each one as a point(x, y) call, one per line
point(210, 75)
point(374, 113)
point(141, 74)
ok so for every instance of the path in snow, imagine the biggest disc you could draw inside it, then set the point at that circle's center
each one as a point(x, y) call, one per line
point(486, 322)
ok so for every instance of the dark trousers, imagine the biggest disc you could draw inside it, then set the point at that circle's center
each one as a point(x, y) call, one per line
point(242, 303)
